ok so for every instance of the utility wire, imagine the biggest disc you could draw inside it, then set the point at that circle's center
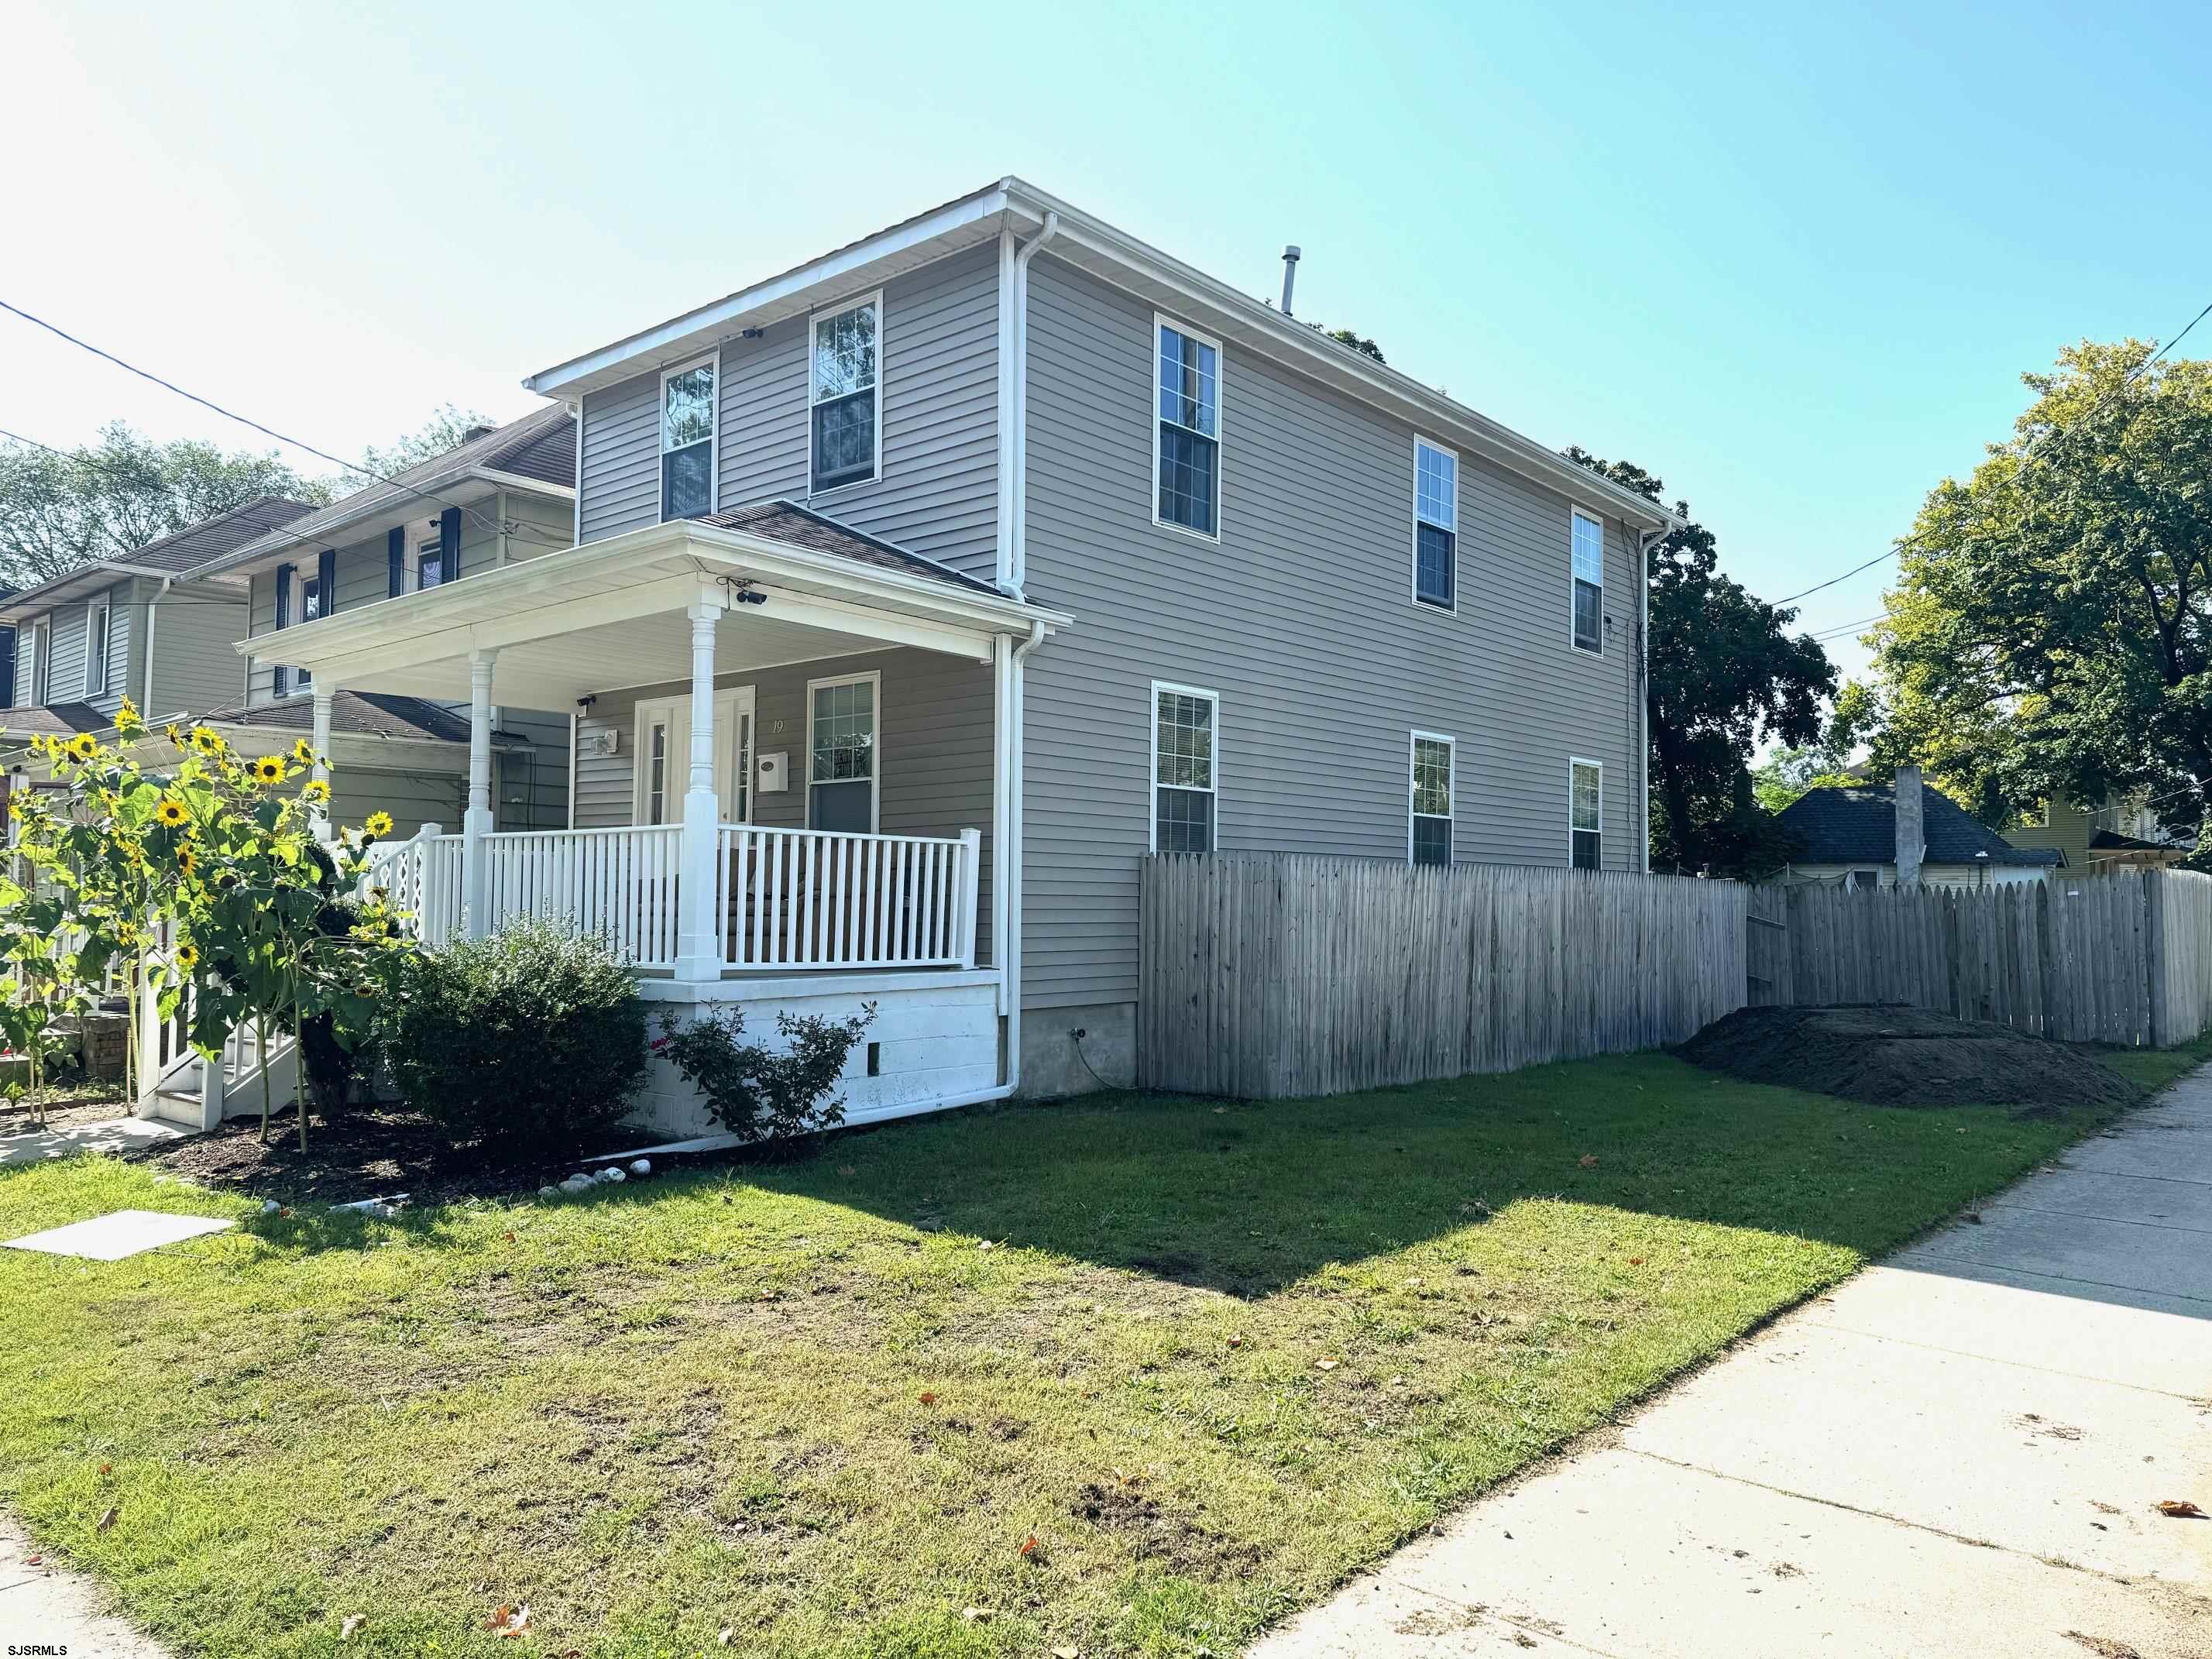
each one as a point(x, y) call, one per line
point(2027, 450)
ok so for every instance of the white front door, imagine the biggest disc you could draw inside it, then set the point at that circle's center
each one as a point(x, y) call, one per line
point(662, 755)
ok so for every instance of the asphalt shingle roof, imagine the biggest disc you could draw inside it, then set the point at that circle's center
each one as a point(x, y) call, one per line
point(1858, 825)
point(354, 714)
point(212, 538)
point(57, 720)
point(787, 522)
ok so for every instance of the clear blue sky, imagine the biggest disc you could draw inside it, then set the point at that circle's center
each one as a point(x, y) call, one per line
point(1791, 259)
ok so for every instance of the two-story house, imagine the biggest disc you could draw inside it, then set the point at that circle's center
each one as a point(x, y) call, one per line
point(2120, 834)
point(503, 495)
point(921, 590)
point(145, 626)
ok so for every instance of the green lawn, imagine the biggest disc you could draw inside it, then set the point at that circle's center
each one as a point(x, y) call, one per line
point(1210, 1359)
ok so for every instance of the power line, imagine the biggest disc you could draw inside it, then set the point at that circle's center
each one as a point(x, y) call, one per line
point(2028, 450)
point(359, 468)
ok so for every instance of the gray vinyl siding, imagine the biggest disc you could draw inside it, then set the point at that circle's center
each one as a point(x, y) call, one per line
point(937, 494)
point(934, 723)
point(65, 672)
point(413, 799)
point(1301, 617)
point(532, 784)
point(195, 668)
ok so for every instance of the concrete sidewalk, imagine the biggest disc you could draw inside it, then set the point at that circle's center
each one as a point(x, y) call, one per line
point(1960, 1451)
point(46, 1609)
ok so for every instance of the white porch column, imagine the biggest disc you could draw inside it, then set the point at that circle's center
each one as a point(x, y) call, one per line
point(476, 821)
point(698, 923)
point(321, 742)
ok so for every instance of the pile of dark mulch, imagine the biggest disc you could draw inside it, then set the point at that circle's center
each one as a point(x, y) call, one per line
point(1892, 1055)
point(366, 1152)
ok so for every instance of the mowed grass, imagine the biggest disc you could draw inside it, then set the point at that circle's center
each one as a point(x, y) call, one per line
point(1209, 1358)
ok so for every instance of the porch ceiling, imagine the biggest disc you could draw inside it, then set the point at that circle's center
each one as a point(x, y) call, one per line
point(611, 614)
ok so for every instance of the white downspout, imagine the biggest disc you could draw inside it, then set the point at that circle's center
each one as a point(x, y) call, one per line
point(1014, 488)
point(1643, 544)
point(146, 680)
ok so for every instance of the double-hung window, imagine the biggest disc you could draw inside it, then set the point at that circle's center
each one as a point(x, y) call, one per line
point(1435, 525)
point(687, 441)
point(1585, 812)
point(1186, 460)
point(42, 660)
point(1590, 582)
point(96, 616)
point(431, 563)
point(1185, 779)
point(1429, 841)
point(841, 754)
point(847, 395)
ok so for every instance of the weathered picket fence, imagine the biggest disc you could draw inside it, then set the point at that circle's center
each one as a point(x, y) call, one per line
point(1272, 976)
point(2123, 958)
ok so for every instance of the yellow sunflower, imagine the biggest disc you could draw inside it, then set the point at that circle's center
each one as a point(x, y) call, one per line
point(317, 791)
point(378, 824)
point(187, 859)
point(127, 722)
point(304, 752)
point(172, 812)
point(269, 769)
point(188, 957)
point(174, 733)
point(81, 748)
point(207, 740)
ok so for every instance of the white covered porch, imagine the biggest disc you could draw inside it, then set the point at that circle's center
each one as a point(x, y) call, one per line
point(696, 887)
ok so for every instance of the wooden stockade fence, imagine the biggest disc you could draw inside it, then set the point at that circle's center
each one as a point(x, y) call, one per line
point(1267, 975)
point(2123, 958)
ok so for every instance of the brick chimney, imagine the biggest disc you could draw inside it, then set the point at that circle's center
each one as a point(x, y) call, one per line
point(1911, 837)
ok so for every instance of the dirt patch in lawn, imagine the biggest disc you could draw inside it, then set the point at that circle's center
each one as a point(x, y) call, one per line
point(367, 1152)
point(1892, 1054)
point(69, 1107)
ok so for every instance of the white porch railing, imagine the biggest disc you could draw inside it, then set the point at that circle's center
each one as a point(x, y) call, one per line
point(422, 876)
point(619, 885)
point(812, 898)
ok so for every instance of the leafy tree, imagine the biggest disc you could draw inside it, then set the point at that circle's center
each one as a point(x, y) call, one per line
point(1854, 720)
point(1359, 343)
point(2051, 635)
point(1723, 674)
point(447, 428)
point(105, 500)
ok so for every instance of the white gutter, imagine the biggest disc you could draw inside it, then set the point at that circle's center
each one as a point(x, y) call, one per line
point(146, 681)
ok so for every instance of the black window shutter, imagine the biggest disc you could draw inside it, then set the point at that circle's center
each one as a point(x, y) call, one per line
point(326, 580)
point(395, 554)
point(449, 543)
point(282, 680)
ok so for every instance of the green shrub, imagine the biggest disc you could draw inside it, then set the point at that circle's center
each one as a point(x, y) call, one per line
point(528, 1043)
point(760, 1093)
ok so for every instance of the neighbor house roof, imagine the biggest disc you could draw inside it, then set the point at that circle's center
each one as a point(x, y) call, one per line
point(56, 719)
point(787, 522)
point(354, 714)
point(2110, 840)
point(172, 554)
point(1244, 322)
point(1858, 825)
point(540, 448)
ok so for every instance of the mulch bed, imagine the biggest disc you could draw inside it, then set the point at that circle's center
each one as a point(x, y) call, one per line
point(67, 1108)
point(367, 1152)
point(1892, 1055)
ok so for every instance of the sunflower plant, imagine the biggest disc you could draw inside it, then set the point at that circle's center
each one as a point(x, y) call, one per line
point(211, 875)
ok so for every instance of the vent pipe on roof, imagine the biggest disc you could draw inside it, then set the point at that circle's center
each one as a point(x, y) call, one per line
point(1912, 838)
point(1290, 275)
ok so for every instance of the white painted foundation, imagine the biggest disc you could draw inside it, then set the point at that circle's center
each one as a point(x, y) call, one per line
point(935, 1034)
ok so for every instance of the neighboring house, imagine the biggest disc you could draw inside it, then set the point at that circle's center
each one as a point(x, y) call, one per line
point(1851, 835)
point(144, 626)
point(921, 590)
point(7, 656)
point(504, 495)
point(2120, 834)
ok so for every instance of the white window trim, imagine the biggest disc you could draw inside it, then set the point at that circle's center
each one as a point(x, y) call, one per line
point(95, 662)
point(1161, 319)
point(1414, 740)
point(1575, 510)
point(1153, 748)
point(814, 319)
point(1413, 574)
point(661, 452)
point(874, 677)
point(1573, 761)
point(39, 682)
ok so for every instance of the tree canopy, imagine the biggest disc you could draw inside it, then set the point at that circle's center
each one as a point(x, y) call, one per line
point(1724, 674)
point(2051, 635)
point(448, 428)
point(1360, 343)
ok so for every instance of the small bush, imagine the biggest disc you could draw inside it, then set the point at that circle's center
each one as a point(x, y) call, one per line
point(758, 1092)
point(528, 1043)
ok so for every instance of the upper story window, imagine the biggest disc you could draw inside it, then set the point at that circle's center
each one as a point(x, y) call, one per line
point(1186, 460)
point(1590, 582)
point(1184, 779)
point(431, 563)
point(687, 441)
point(42, 656)
point(96, 647)
point(1431, 839)
point(1435, 525)
point(846, 397)
point(1585, 812)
